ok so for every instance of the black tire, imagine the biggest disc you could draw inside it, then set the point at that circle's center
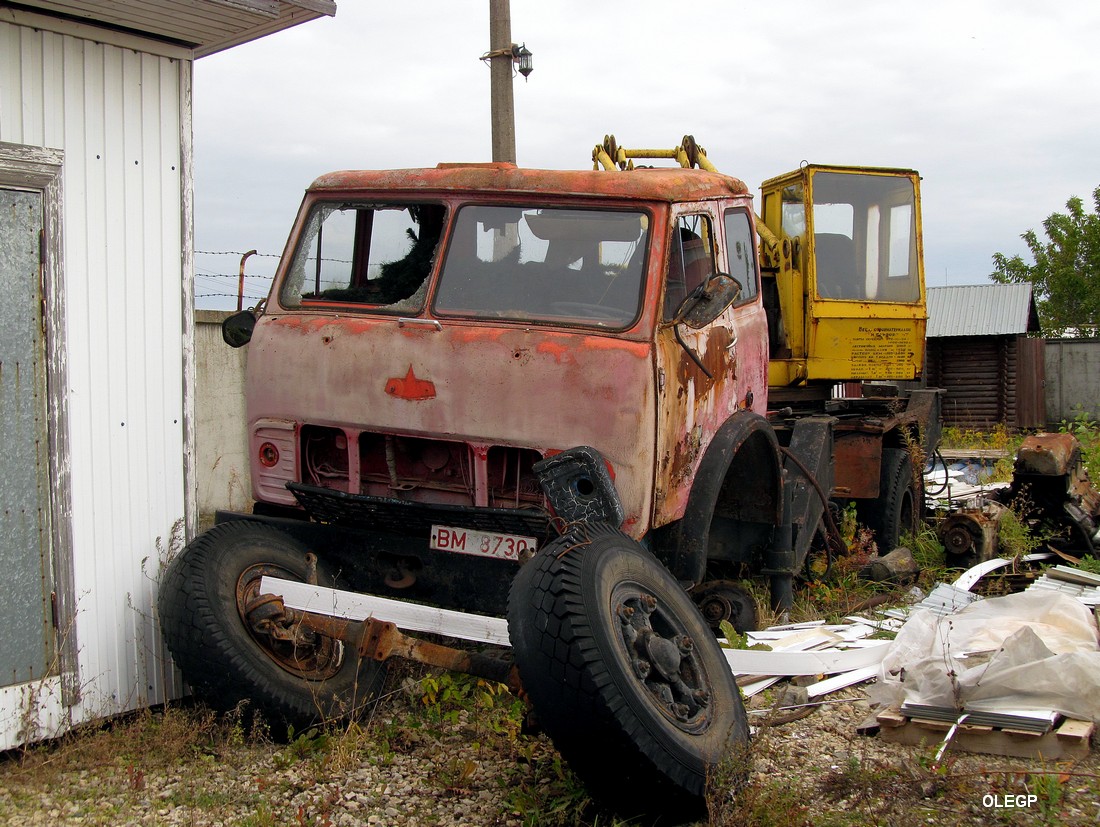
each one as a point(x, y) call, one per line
point(899, 507)
point(588, 617)
point(720, 600)
point(201, 605)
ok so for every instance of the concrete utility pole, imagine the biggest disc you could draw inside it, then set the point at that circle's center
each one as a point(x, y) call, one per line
point(500, 68)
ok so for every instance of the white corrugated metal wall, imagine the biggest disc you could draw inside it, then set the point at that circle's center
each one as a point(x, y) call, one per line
point(121, 117)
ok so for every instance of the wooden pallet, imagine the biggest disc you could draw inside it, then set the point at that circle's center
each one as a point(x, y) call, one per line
point(1069, 740)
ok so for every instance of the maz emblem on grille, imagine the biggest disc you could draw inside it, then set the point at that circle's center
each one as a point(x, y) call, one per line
point(409, 387)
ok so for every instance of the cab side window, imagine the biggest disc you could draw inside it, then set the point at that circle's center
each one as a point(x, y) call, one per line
point(741, 253)
point(690, 260)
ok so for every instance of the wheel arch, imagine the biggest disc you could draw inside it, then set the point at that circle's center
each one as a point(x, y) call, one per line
point(744, 455)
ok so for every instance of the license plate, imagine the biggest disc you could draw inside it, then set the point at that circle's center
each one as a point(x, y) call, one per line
point(482, 543)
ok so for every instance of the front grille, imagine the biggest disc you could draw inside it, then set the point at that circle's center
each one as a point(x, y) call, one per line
point(414, 518)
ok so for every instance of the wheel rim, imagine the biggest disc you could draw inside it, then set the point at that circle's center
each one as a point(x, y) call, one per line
point(662, 658)
point(306, 655)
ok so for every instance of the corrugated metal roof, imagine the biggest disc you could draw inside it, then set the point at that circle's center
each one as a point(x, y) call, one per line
point(207, 26)
point(981, 310)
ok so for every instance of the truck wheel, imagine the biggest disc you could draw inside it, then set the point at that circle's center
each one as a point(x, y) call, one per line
point(203, 603)
point(898, 509)
point(623, 673)
point(720, 600)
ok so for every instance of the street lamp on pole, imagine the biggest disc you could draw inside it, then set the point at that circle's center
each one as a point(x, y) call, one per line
point(503, 58)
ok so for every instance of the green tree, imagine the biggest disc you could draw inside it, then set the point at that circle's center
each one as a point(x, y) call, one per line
point(1065, 277)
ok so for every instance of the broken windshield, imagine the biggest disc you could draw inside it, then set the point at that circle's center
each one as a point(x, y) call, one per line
point(376, 256)
point(573, 266)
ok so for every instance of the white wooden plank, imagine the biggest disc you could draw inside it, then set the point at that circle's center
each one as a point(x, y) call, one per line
point(808, 624)
point(797, 640)
point(856, 631)
point(861, 643)
point(824, 662)
point(411, 616)
point(842, 680)
point(756, 687)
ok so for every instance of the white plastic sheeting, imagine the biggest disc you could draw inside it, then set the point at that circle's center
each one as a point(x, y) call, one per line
point(1030, 650)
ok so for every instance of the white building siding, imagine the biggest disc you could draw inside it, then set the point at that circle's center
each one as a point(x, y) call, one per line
point(118, 115)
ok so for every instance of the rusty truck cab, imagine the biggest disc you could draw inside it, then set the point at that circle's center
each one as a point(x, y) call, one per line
point(431, 334)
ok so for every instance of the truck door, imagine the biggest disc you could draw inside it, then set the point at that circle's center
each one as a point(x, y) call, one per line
point(705, 375)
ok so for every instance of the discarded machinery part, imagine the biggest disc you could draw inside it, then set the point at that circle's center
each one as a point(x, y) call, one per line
point(1051, 478)
point(413, 617)
point(578, 485)
point(970, 536)
point(233, 642)
point(1051, 455)
point(899, 566)
point(381, 641)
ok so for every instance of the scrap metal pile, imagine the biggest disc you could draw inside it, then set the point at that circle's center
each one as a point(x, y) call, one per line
point(1050, 490)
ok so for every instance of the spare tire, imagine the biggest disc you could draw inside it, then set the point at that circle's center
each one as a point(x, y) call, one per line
point(202, 604)
point(623, 672)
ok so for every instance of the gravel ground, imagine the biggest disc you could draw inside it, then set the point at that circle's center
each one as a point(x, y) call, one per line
point(401, 770)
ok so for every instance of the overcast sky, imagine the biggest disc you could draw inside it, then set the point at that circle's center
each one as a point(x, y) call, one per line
point(995, 102)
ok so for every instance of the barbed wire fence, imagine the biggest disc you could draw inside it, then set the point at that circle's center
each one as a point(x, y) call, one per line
point(216, 290)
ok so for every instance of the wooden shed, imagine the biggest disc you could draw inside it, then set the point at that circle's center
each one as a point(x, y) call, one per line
point(97, 469)
point(984, 350)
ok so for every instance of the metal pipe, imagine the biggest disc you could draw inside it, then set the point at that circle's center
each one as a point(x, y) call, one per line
point(240, 280)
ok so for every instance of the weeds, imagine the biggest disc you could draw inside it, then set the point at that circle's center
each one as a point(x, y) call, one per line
point(998, 439)
point(1087, 433)
point(1015, 538)
point(550, 794)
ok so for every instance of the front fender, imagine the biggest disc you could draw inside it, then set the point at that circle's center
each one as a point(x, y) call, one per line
point(741, 467)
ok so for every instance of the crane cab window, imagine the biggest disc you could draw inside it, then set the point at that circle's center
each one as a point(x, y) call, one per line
point(864, 237)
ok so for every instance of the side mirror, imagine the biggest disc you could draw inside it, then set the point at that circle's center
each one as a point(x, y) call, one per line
point(708, 301)
point(237, 329)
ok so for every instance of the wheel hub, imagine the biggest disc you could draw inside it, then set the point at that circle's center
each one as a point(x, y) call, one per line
point(663, 659)
point(298, 651)
point(724, 600)
point(716, 607)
